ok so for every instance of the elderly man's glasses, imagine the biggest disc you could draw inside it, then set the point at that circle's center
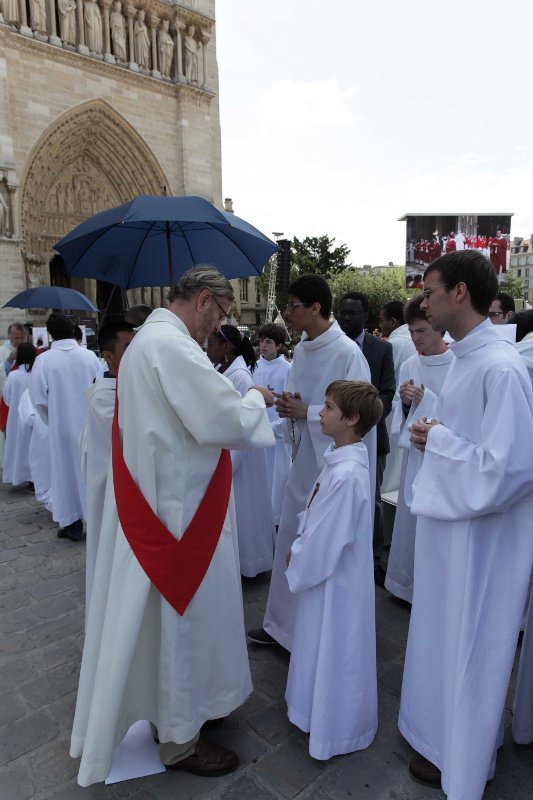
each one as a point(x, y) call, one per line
point(223, 312)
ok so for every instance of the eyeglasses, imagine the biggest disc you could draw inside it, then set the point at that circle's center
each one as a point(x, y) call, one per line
point(428, 292)
point(290, 305)
point(493, 314)
point(224, 313)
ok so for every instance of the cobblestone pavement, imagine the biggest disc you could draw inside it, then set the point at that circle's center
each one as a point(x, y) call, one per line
point(41, 628)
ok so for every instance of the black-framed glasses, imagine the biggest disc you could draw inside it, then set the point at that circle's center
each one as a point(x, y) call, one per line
point(290, 305)
point(222, 310)
point(494, 314)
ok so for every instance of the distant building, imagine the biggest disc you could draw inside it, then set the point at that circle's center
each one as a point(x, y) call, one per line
point(522, 263)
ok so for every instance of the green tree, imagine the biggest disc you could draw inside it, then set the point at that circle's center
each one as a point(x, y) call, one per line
point(515, 287)
point(319, 255)
point(379, 288)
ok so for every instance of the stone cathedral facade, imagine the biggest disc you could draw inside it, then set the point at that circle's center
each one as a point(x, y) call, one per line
point(100, 101)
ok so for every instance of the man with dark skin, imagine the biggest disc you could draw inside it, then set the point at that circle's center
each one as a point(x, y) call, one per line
point(353, 316)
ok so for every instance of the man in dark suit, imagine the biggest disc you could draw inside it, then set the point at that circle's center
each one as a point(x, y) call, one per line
point(353, 315)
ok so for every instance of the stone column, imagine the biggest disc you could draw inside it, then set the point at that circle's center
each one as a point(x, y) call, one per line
point(130, 12)
point(12, 219)
point(24, 27)
point(205, 41)
point(178, 61)
point(82, 47)
point(154, 22)
point(108, 56)
point(53, 38)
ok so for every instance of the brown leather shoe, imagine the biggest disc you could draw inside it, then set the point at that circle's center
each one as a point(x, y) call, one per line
point(423, 771)
point(209, 760)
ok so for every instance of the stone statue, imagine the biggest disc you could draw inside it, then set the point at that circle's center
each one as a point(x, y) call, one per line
point(93, 20)
point(191, 55)
point(67, 20)
point(38, 16)
point(142, 41)
point(166, 49)
point(118, 32)
point(11, 11)
point(4, 216)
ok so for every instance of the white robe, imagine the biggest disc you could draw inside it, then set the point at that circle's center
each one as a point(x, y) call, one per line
point(274, 374)
point(525, 348)
point(332, 683)
point(142, 660)
point(523, 700)
point(58, 380)
point(95, 448)
point(317, 362)
point(431, 372)
point(473, 557)
point(251, 491)
point(32, 425)
point(402, 349)
point(17, 444)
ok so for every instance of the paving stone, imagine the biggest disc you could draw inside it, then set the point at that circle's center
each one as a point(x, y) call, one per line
point(18, 672)
point(55, 568)
point(62, 710)
point(289, 768)
point(14, 621)
point(16, 783)
point(11, 708)
point(246, 788)
point(55, 606)
point(28, 563)
point(20, 529)
point(9, 555)
point(51, 686)
point(16, 643)
point(56, 629)
point(271, 724)
point(45, 588)
point(51, 765)
point(59, 653)
point(9, 601)
point(245, 743)
point(26, 734)
point(180, 786)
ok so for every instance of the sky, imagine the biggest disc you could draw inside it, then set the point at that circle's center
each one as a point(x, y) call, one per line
point(337, 118)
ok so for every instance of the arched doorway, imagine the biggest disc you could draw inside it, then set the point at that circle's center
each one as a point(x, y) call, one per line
point(90, 159)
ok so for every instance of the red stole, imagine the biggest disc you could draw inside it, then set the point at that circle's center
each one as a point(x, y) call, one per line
point(4, 411)
point(175, 567)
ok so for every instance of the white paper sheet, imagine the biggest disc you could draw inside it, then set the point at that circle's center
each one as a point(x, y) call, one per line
point(136, 756)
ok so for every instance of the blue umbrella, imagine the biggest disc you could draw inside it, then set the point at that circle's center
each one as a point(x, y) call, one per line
point(51, 297)
point(150, 241)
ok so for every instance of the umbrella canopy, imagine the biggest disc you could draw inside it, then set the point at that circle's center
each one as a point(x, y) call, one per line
point(51, 297)
point(151, 241)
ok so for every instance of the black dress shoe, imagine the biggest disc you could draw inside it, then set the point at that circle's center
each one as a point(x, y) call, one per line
point(74, 531)
point(423, 771)
point(379, 575)
point(260, 636)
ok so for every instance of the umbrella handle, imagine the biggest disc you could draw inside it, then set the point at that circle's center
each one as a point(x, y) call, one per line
point(169, 256)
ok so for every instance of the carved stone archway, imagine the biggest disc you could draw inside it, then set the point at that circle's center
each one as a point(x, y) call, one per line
point(88, 160)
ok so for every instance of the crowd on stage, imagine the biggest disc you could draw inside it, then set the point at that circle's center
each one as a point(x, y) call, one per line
point(425, 251)
point(186, 458)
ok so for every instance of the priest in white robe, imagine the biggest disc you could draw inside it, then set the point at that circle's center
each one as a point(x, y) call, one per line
point(324, 354)
point(165, 639)
point(474, 549)
point(421, 380)
point(17, 446)
point(58, 381)
point(393, 327)
point(32, 426)
point(95, 439)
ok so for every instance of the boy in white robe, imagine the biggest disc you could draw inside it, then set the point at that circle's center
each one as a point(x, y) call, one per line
point(95, 439)
point(58, 380)
point(474, 550)
point(421, 380)
point(332, 684)
point(324, 354)
point(272, 370)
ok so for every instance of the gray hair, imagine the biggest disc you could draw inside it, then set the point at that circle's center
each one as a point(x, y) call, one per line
point(18, 326)
point(198, 278)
